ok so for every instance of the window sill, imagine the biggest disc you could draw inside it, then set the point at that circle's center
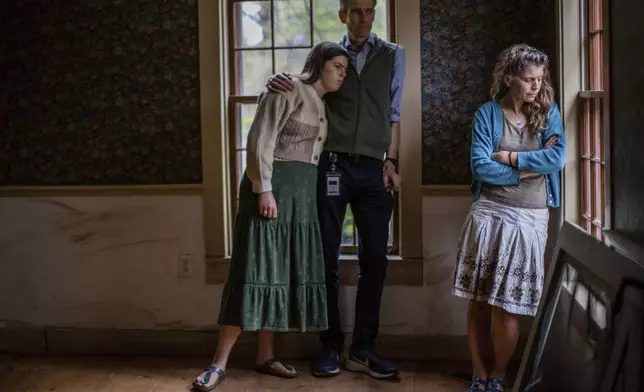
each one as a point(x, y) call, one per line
point(101, 190)
point(592, 94)
point(400, 272)
point(625, 246)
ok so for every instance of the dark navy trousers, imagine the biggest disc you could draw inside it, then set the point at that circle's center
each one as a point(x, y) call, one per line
point(362, 188)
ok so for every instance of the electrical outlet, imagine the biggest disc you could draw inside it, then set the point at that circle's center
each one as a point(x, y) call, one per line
point(185, 266)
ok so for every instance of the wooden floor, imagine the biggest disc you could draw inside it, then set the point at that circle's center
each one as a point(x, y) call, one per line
point(136, 374)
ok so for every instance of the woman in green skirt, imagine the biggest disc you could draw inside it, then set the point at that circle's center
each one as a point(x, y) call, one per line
point(276, 278)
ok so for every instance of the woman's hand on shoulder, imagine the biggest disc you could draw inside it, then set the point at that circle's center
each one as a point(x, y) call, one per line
point(267, 205)
point(281, 82)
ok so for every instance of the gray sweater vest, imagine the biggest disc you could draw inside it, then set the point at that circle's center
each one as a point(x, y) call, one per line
point(358, 113)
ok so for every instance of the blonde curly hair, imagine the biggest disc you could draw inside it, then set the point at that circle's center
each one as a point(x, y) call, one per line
point(514, 60)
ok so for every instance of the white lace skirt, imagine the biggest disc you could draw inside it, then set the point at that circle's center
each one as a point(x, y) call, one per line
point(500, 256)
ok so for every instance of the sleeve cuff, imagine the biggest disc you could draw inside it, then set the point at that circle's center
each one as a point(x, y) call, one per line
point(516, 176)
point(521, 159)
point(263, 186)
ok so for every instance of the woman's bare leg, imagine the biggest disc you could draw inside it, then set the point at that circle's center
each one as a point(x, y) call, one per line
point(478, 337)
point(228, 336)
point(505, 335)
point(265, 346)
point(266, 352)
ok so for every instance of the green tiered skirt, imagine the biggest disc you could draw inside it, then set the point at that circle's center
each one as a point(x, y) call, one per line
point(276, 277)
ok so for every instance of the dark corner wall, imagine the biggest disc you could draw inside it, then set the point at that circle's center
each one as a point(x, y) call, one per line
point(97, 92)
point(626, 50)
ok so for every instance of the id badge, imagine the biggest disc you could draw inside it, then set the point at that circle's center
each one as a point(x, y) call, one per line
point(333, 183)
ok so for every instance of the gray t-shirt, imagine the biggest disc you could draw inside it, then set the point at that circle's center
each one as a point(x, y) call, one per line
point(531, 192)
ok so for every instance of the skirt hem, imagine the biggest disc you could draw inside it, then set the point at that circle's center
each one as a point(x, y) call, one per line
point(279, 308)
point(256, 328)
point(521, 311)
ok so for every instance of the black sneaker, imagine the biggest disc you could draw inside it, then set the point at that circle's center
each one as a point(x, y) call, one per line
point(366, 361)
point(327, 364)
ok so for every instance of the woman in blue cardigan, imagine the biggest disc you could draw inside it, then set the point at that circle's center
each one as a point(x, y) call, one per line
point(518, 150)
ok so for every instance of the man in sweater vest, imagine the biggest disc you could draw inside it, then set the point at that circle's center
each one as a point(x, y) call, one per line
point(358, 168)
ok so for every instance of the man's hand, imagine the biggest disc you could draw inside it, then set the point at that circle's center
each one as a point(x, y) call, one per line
point(279, 83)
point(390, 178)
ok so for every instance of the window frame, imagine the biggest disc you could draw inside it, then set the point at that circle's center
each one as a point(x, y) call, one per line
point(234, 102)
point(594, 119)
point(407, 269)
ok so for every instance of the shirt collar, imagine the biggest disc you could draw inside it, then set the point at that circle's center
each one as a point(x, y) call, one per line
point(347, 44)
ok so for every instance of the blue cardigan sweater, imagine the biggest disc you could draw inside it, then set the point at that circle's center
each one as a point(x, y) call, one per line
point(486, 136)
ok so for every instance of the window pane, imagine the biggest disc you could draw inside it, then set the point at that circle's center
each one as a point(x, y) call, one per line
point(246, 113)
point(253, 22)
point(290, 60)
point(327, 26)
point(350, 231)
point(292, 23)
point(241, 167)
point(349, 235)
point(255, 67)
point(245, 121)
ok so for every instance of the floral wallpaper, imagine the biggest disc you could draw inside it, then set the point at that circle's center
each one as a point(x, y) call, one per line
point(460, 40)
point(99, 92)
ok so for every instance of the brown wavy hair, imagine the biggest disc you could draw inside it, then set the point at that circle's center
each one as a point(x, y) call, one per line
point(514, 60)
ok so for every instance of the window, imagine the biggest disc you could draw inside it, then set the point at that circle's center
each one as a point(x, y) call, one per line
point(272, 36)
point(592, 146)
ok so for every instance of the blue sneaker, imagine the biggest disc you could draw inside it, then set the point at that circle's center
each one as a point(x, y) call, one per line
point(366, 361)
point(495, 384)
point(478, 385)
point(327, 364)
